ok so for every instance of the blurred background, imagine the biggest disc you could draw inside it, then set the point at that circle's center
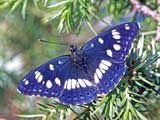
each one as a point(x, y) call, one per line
point(24, 22)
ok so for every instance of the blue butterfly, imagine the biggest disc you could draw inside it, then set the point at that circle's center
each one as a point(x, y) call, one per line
point(96, 68)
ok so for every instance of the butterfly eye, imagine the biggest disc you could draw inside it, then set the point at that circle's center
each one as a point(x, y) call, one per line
point(73, 48)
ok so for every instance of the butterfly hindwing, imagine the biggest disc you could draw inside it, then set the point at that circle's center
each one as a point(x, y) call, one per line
point(106, 74)
point(78, 88)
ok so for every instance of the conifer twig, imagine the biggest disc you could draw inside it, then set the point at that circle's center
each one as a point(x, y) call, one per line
point(149, 12)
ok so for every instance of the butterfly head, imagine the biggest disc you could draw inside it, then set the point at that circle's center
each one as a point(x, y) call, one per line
point(73, 48)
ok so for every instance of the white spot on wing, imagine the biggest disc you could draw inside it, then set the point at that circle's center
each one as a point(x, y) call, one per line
point(49, 84)
point(88, 83)
point(40, 78)
point(127, 27)
point(117, 37)
point(92, 45)
point(69, 84)
point(51, 66)
point(34, 90)
point(118, 41)
point(43, 82)
point(59, 62)
point(99, 74)
point(26, 82)
point(102, 70)
point(103, 66)
point(100, 40)
point(109, 53)
point(78, 85)
point(36, 72)
point(39, 90)
point(129, 38)
point(116, 47)
point(81, 82)
point(57, 81)
point(116, 34)
point(65, 84)
point(96, 79)
point(114, 30)
point(126, 42)
point(37, 75)
point(106, 62)
point(74, 83)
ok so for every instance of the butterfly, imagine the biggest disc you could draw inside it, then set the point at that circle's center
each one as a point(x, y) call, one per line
point(94, 69)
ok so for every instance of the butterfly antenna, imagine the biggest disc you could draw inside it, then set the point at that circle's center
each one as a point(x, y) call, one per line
point(42, 40)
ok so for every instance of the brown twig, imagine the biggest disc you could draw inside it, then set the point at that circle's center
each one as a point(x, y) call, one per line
point(147, 11)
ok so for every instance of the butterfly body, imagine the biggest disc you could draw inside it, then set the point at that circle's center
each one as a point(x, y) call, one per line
point(77, 57)
point(95, 68)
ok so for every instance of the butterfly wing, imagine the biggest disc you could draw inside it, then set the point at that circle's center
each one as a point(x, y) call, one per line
point(106, 75)
point(113, 44)
point(61, 79)
point(105, 55)
point(46, 80)
point(78, 88)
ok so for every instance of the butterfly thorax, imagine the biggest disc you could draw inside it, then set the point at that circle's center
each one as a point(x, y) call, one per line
point(77, 56)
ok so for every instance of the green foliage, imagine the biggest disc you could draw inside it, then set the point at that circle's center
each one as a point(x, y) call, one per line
point(114, 7)
point(72, 13)
point(135, 98)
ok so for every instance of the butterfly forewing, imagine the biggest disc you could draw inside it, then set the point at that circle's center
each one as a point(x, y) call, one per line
point(46, 80)
point(113, 44)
